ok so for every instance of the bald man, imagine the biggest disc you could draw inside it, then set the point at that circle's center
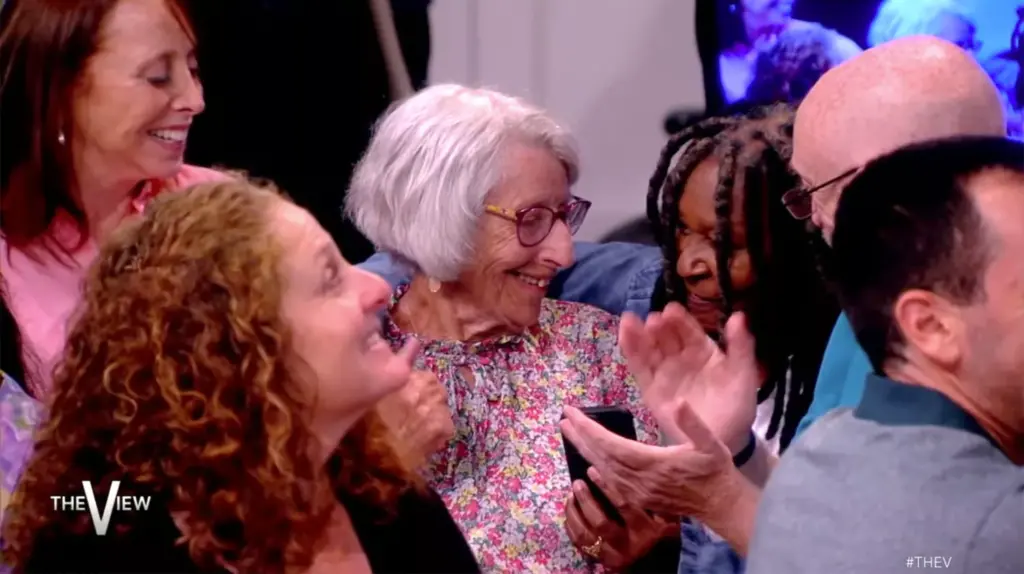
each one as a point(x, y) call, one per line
point(905, 91)
point(927, 471)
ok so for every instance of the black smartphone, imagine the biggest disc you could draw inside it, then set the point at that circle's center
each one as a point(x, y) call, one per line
point(619, 421)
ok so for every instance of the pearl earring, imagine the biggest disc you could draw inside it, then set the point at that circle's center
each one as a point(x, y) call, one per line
point(60, 137)
point(433, 285)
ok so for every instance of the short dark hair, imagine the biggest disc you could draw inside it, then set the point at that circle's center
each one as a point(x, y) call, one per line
point(908, 221)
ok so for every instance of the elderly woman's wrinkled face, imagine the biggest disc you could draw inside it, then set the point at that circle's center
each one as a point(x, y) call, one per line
point(331, 308)
point(138, 95)
point(510, 280)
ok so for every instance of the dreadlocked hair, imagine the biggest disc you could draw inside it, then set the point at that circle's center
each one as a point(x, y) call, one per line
point(790, 310)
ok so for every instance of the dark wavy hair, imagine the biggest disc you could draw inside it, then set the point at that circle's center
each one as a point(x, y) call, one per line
point(790, 310)
point(179, 380)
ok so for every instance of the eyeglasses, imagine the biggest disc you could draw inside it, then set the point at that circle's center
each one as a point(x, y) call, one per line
point(798, 200)
point(534, 224)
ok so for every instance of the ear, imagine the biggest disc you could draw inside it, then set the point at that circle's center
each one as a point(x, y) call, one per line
point(931, 326)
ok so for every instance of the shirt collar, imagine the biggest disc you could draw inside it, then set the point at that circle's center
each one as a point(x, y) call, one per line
point(892, 403)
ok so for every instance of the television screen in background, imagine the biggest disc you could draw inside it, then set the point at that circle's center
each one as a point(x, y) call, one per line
point(774, 50)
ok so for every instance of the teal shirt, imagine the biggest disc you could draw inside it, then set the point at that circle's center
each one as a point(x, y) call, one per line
point(844, 368)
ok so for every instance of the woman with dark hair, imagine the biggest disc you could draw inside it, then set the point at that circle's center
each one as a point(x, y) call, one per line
point(226, 363)
point(97, 99)
point(733, 246)
point(729, 244)
point(719, 207)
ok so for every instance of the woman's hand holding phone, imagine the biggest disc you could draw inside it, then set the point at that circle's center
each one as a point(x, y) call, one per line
point(614, 544)
point(599, 520)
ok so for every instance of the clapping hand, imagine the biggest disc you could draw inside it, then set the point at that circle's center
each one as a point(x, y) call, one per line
point(679, 480)
point(675, 362)
point(704, 400)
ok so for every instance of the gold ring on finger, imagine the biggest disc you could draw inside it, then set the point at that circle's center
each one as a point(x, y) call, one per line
point(594, 550)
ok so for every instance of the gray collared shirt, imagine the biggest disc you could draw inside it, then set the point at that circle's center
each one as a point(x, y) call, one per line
point(905, 481)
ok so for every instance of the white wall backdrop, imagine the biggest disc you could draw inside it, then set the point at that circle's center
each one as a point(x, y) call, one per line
point(610, 69)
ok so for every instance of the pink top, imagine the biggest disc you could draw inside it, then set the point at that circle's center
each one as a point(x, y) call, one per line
point(43, 293)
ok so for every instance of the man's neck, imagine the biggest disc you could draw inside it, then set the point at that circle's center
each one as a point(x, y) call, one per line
point(449, 314)
point(986, 412)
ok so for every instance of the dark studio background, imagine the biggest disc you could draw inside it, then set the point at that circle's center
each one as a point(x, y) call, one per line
point(293, 88)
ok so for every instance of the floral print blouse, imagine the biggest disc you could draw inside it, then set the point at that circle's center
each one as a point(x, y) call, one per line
point(19, 416)
point(503, 476)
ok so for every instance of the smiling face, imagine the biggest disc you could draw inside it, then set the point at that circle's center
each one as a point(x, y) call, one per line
point(331, 308)
point(697, 264)
point(135, 101)
point(994, 325)
point(508, 280)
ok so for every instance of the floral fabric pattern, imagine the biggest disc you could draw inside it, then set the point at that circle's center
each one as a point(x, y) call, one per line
point(19, 416)
point(504, 477)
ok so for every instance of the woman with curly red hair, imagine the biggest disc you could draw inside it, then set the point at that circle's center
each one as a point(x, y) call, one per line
point(226, 362)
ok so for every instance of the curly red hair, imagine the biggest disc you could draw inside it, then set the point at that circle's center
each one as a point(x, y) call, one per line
point(178, 380)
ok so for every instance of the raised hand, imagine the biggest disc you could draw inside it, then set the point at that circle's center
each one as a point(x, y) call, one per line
point(674, 362)
point(418, 414)
point(695, 478)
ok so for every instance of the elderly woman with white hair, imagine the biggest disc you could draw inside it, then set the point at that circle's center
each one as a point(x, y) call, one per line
point(471, 189)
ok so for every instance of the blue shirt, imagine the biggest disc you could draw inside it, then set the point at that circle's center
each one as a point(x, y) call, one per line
point(844, 368)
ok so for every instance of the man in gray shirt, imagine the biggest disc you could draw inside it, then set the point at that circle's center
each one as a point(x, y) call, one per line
point(928, 258)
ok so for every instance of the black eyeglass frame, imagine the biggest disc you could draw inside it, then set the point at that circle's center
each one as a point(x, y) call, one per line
point(795, 199)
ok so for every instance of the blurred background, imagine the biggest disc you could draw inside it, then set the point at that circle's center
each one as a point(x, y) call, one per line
point(611, 69)
point(293, 86)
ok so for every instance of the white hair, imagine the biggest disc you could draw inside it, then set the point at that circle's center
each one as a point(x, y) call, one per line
point(420, 189)
point(901, 18)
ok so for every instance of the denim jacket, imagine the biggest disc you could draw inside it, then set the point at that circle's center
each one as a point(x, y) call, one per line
point(616, 277)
